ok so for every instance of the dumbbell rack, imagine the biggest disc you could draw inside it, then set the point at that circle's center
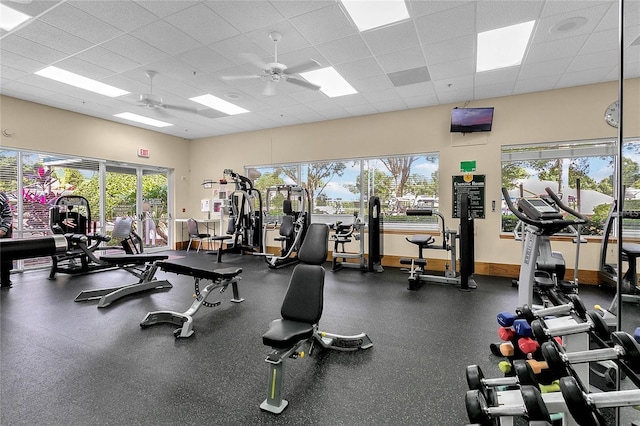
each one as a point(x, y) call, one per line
point(554, 402)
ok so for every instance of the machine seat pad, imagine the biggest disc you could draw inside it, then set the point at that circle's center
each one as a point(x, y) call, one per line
point(284, 333)
point(421, 240)
point(206, 274)
point(133, 259)
point(631, 249)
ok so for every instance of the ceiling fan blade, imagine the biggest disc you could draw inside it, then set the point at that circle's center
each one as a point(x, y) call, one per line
point(238, 77)
point(311, 64)
point(180, 108)
point(254, 59)
point(160, 112)
point(303, 83)
point(269, 89)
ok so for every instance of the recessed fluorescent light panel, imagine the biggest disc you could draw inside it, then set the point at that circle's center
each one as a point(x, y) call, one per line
point(142, 119)
point(368, 14)
point(77, 80)
point(503, 47)
point(331, 83)
point(219, 104)
point(11, 18)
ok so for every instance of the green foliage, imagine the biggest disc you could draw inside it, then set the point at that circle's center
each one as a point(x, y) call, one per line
point(511, 173)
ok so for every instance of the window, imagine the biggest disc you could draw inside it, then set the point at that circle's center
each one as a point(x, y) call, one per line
point(528, 169)
point(343, 187)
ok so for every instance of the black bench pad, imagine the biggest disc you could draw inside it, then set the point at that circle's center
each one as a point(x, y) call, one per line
point(421, 240)
point(286, 333)
point(631, 249)
point(132, 259)
point(194, 271)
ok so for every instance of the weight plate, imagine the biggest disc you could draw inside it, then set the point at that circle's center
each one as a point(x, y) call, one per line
point(474, 377)
point(534, 404)
point(538, 331)
point(577, 402)
point(631, 350)
point(600, 328)
point(554, 360)
point(578, 306)
point(524, 373)
point(477, 409)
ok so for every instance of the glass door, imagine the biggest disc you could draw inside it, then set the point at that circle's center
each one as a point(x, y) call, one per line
point(142, 194)
point(154, 217)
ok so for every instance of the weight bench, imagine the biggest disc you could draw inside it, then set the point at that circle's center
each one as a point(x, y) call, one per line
point(301, 311)
point(143, 266)
point(220, 278)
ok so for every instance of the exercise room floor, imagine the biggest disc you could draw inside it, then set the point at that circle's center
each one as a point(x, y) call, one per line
point(66, 363)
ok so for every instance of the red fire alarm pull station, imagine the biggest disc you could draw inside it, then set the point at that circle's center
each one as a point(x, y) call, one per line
point(143, 152)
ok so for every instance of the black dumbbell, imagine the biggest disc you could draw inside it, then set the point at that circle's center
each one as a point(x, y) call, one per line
point(594, 324)
point(481, 413)
point(476, 380)
point(584, 407)
point(624, 348)
point(576, 306)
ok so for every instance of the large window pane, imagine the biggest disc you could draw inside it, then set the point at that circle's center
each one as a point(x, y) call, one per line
point(528, 169)
point(343, 187)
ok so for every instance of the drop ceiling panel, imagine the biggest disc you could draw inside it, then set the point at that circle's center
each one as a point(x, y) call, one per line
point(402, 60)
point(401, 35)
point(134, 49)
point(323, 25)
point(193, 44)
point(124, 15)
point(54, 38)
point(448, 24)
point(79, 23)
point(165, 38)
point(345, 49)
point(202, 24)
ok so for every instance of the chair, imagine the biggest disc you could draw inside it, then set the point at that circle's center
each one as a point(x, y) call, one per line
point(300, 314)
point(194, 234)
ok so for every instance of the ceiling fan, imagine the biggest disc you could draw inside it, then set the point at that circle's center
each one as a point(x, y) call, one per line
point(275, 72)
point(154, 102)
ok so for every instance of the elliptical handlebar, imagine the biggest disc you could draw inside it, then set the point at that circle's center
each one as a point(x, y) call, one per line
point(582, 219)
point(545, 223)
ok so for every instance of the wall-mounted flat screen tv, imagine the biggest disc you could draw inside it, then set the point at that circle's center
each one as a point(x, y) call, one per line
point(469, 120)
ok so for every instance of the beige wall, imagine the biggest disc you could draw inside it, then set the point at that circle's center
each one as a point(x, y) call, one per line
point(566, 114)
point(42, 128)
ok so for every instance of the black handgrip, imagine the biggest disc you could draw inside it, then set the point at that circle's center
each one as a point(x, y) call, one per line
point(581, 218)
point(518, 213)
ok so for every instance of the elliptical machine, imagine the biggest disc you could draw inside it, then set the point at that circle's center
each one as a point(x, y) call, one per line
point(542, 271)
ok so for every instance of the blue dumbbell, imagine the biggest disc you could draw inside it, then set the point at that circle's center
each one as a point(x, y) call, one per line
point(506, 319)
point(636, 334)
point(522, 327)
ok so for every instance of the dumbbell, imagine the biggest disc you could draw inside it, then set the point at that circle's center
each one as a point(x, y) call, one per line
point(584, 407)
point(507, 319)
point(481, 413)
point(636, 334)
point(624, 348)
point(594, 324)
point(477, 381)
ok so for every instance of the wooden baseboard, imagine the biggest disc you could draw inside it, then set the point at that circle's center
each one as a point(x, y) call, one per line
point(588, 277)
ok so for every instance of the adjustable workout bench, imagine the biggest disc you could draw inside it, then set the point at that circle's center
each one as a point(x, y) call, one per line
point(220, 278)
point(143, 266)
point(301, 311)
